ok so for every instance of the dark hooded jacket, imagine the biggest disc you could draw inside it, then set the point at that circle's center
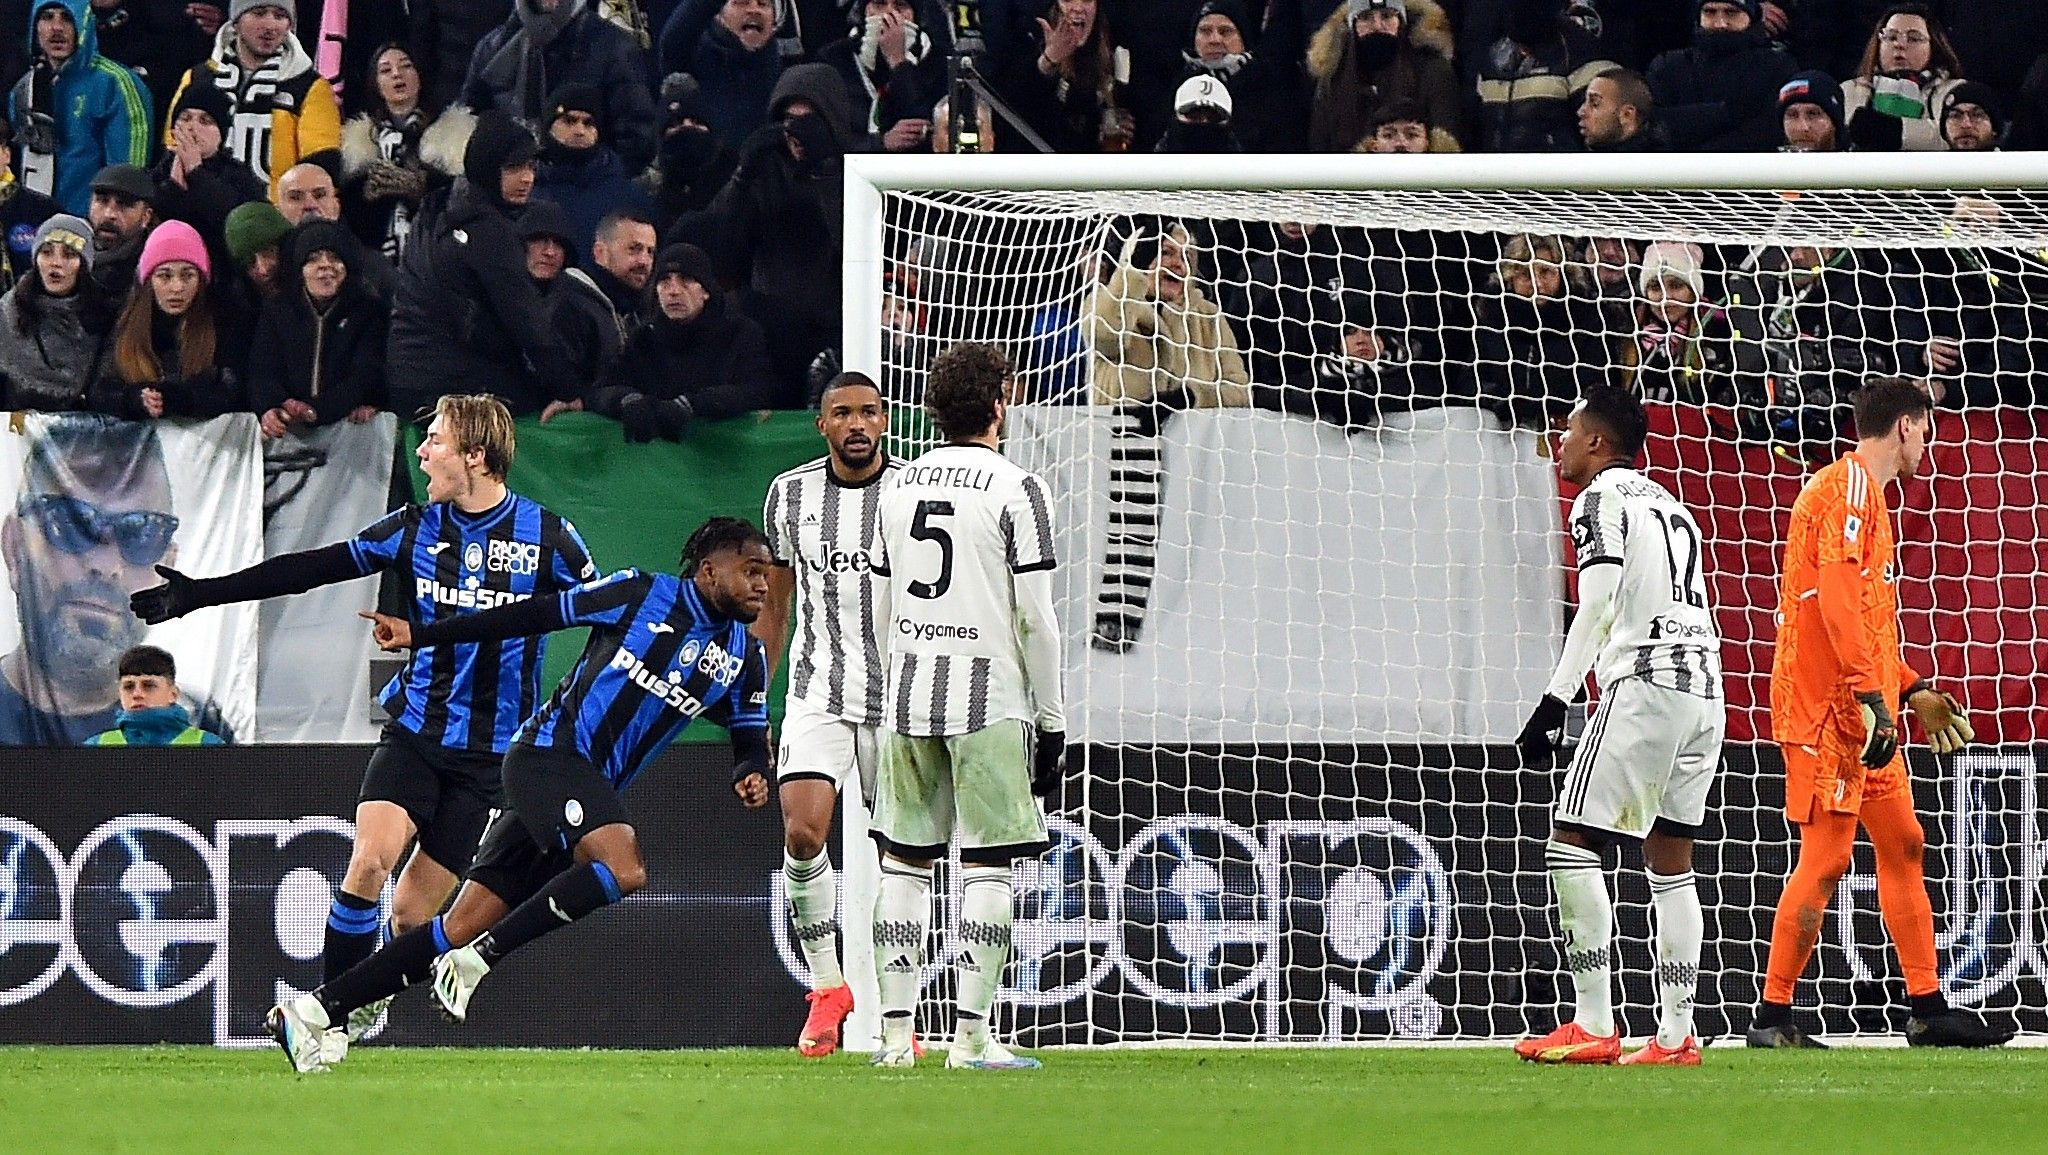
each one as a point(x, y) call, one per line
point(1529, 79)
point(332, 359)
point(466, 315)
point(736, 84)
point(514, 75)
point(1349, 89)
point(714, 366)
point(1721, 94)
point(594, 312)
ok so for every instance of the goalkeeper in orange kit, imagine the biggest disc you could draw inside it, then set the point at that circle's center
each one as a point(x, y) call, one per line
point(1837, 683)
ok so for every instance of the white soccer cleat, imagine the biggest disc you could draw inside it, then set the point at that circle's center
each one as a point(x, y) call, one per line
point(900, 1058)
point(362, 1019)
point(456, 975)
point(299, 1024)
point(990, 1056)
point(333, 1046)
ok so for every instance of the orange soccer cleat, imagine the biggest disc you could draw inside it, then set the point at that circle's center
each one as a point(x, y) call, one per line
point(1685, 1054)
point(829, 1009)
point(1571, 1043)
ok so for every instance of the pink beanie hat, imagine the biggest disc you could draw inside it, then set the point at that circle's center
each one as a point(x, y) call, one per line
point(173, 241)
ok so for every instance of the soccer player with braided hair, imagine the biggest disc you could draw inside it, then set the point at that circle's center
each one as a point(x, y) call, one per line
point(664, 650)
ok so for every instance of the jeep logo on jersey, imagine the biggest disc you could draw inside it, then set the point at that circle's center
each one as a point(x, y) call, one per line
point(473, 557)
point(514, 557)
point(841, 561)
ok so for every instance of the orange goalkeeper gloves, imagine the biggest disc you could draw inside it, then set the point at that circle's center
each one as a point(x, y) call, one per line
point(1941, 718)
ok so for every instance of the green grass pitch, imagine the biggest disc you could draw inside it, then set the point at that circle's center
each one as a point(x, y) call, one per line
point(172, 1100)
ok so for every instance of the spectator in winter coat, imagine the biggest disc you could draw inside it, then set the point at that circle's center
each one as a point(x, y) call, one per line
point(1064, 82)
point(1973, 118)
point(1202, 120)
point(596, 311)
point(544, 230)
point(1157, 335)
point(691, 358)
point(1721, 94)
point(467, 315)
point(75, 112)
point(284, 111)
point(1401, 127)
point(1617, 114)
point(170, 336)
point(1541, 342)
point(1810, 113)
point(400, 149)
point(693, 163)
point(22, 212)
point(1682, 349)
point(318, 356)
point(1371, 53)
point(1266, 94)
point(728, 47)
point(255, 234)
point(123, 213)
point(1894, 101)
point(894, 65)
point(577, 170)
point(157, 41)
point(775, 229)
point(547, 44)
point(197, 181)
point(54, 324)
point(1529, 79)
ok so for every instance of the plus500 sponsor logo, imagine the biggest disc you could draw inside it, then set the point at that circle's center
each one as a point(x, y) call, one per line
point(426, 589)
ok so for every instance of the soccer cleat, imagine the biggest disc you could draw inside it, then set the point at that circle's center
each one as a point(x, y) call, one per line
point(299, 1024)
point(1685, 1054)
point(900, 1058)
point(456, 975)
point(1571, 1043)
point(829, 1009)
point(362, 1019)
point(333, 1046)
point(1786, 1037)
point(1954, 1029)
point(992, 1056)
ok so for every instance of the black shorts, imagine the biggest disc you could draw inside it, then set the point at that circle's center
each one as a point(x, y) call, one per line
point(449, 794)
point(559, 796)
point(511, 865)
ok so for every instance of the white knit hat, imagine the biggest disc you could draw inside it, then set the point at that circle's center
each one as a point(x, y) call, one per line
point(1671, 260)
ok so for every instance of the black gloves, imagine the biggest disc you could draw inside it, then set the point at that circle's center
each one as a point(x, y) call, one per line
point(178, 596)
point(645, 418)
point(1880, 732)
point(1048, 762)
point(1539, 736)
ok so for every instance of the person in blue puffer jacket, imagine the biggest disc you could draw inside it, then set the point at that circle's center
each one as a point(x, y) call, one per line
point(75, 112)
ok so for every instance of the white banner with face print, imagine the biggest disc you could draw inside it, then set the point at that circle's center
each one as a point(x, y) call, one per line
point(92, 506)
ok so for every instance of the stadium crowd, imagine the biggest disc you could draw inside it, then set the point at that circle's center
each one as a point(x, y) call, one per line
point(633, 207)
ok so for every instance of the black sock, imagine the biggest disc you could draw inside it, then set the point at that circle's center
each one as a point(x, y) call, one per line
point(1928, 1005)
point(351, 934)
point(571, 895)
point(1770, 1014)
point(404, 961)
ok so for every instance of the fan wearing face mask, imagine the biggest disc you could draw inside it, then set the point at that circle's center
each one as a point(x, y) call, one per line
point(1721, 94)
point(1371, 53)
point(893, 60)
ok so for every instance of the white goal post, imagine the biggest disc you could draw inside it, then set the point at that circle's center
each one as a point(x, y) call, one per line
point(1310, 582)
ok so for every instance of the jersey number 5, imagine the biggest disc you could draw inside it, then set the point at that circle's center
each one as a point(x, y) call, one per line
point(1686, 584)
point(922, 529)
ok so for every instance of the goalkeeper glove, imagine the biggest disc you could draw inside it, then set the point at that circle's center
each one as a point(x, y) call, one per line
point(178, 596)
point(1941, 718)
point(1539, 736)
point(1880, 735)
point(1048, 762)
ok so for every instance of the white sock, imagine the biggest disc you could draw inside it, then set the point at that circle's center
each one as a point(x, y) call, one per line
point(1680, 927)
point(903, 915)
point(1587, 916)
point(814, 911)
point(986, 900)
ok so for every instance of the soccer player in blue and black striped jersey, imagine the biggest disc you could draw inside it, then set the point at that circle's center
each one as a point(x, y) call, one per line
point(663, 651)
point(455, 706)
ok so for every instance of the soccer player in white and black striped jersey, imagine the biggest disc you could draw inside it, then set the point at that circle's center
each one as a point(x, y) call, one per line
point(975, 725)
point(822, 518)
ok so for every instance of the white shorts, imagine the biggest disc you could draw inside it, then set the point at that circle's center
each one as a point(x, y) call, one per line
point(1649, 753)
point(816, 744)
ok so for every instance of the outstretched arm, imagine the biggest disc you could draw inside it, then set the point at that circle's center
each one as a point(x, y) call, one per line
point(291, 573)
point(541, 615)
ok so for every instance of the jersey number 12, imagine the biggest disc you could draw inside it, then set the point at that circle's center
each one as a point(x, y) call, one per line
point(1686, 584)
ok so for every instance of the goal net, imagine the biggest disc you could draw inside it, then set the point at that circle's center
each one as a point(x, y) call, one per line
point(1314, 574)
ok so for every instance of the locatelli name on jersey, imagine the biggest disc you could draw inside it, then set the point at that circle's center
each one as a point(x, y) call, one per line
point(947, 476)
point(427, 589)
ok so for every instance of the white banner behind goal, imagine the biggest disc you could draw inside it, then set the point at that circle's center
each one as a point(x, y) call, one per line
point(1311, 550)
